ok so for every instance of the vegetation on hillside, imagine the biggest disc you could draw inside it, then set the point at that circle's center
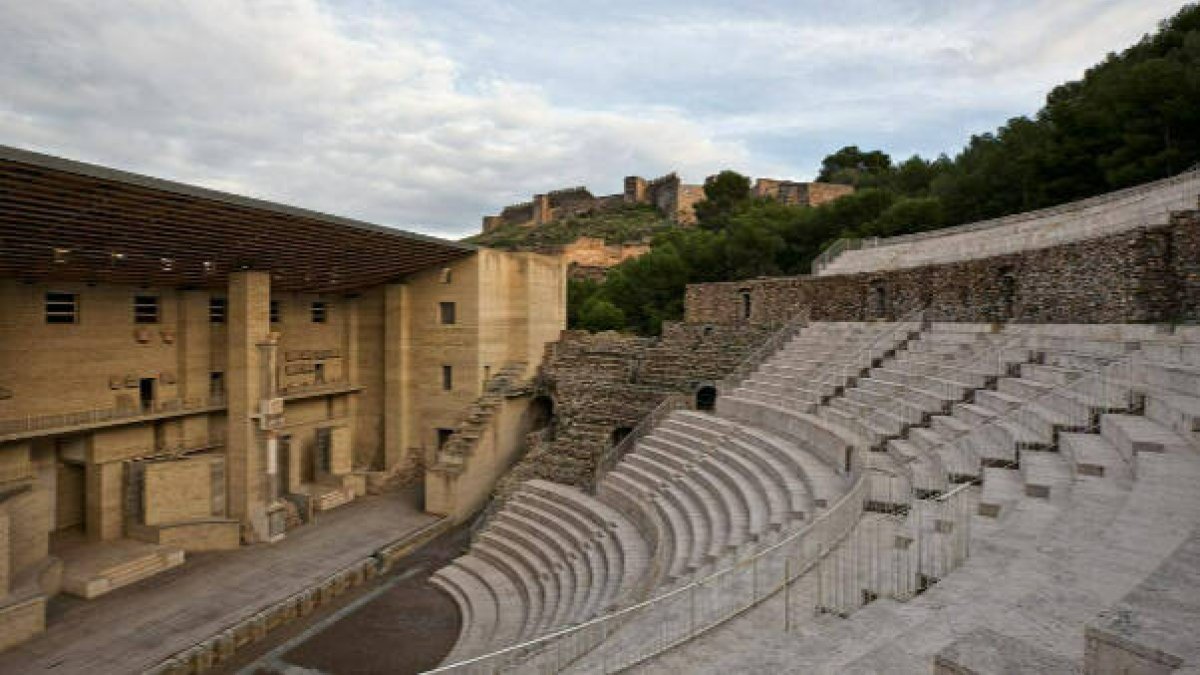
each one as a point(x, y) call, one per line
point(1133, 118)
point(629, 223)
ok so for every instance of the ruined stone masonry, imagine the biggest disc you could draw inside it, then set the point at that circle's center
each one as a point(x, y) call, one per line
point(603, 384)
point(1145, 274)
point(669, 194)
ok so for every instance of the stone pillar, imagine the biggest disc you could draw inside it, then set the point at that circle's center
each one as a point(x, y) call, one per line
point(194, 359)
point(396, 357)
point(248, 326)
point(350, 365)
point(104, 512)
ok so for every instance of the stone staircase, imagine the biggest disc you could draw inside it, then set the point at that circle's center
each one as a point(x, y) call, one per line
point(93, 570)
point(506, 383)
point(1084, 493)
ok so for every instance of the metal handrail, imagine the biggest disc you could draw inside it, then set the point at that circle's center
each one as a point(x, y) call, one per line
point(614, 454)
point(855, 363)
point(100, 415)
point(763, 352)
point(852, 499)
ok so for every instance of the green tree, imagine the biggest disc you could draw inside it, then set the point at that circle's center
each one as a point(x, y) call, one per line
point(599, 314)
point(723, 193)
point(851, 166)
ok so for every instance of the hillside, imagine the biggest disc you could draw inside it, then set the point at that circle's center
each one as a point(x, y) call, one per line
point(1133, 118)
point(629, 224)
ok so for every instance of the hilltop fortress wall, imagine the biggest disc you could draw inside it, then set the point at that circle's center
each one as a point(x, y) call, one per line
point(669, 194)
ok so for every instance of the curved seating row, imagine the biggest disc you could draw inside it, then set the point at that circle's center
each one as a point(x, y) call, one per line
point(694, 494)
point(1019, 410)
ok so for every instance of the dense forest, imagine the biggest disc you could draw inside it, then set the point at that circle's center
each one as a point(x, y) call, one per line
point(1133, 118)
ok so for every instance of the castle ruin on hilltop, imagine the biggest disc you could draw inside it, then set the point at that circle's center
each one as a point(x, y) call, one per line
point(670, 195)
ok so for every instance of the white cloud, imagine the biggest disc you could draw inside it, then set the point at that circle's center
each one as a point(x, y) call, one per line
point(428, 115)
point(286, 101)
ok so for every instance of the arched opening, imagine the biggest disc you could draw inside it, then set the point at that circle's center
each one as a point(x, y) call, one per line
point(706, 398)
point(619, 434)
point(541, 413)
point(878, 301)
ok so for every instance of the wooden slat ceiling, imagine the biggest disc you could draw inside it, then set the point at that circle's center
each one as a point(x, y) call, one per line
point(64, 220)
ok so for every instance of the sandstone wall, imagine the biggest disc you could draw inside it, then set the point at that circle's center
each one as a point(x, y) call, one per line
point(593, 252)
point(1147, 274)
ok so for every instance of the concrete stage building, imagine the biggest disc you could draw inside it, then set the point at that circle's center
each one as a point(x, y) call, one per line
point(183, 369)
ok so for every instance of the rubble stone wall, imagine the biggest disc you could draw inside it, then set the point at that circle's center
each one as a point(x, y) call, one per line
point(1150, 274)
point(607, 382)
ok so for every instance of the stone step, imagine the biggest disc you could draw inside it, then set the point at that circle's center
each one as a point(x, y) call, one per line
point(1132, 435)
point(596, 556)
point(1055, 376)
point(529, 590)
point(1046, 475)
point(116, 565)
point(784, 461)
point(669, 528)
point(613, 529)
point(1001, 489)
point(559, 553)
point(1092, 455)
point(477, 608)
point(510, 606)
point(973, 415)
point(692, 531)
point(764, 498)
point(1177, 412)
point(702, 488)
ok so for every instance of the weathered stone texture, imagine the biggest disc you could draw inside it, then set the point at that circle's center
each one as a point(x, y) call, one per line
point(1144, 275)
point(603, 383)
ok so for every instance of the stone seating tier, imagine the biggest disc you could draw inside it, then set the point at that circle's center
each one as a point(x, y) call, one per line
point(1014, 408)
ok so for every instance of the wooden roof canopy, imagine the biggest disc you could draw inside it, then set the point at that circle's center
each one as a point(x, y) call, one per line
point(66, 220)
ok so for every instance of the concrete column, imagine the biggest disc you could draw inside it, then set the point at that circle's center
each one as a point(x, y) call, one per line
point(194, 358)
point(5, 554)
point(104, 512)
point(248, 326)
point(350, 367)
point(396, 358)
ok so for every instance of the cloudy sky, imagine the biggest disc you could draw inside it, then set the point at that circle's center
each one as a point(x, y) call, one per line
point(427, 115)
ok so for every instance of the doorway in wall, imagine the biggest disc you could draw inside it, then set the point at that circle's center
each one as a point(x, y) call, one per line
point(324, 458)
point(706, 398)
point(284, 466)
point(70, 496)
point(146, 393)
point(319, 373)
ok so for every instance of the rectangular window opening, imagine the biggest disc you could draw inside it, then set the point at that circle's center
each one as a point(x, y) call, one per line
point(319, 312)
point(443, 436)
point(217, 308)
point(145, 309)
point(274, 311)
point(62, 307)
point(447, 378)
point(447, 312)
